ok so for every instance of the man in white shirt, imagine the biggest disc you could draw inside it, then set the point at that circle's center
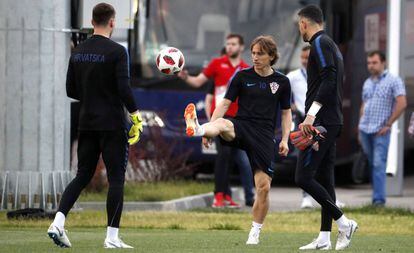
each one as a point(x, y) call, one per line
point(299, 87)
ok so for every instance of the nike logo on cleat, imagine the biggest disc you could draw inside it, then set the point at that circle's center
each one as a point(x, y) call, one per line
point(350, 232)
point(321, 246)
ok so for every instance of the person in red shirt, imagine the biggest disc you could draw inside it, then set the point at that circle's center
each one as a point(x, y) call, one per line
point(220, 70)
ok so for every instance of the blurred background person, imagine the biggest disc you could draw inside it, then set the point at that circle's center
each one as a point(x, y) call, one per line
point(383, 102)
point(299, 87)
point(220, 70)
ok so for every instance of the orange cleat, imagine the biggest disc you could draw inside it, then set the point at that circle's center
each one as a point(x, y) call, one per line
point(190, 116)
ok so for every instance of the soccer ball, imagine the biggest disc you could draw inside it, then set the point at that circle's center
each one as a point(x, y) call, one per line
point(170, 61)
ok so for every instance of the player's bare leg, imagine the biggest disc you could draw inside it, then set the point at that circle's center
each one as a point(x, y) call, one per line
point(261, 205)
point(222, 127)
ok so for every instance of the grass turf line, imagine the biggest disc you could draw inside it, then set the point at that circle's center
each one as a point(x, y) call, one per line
point(91, 240)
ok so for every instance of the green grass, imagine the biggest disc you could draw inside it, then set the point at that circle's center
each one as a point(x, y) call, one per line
point(171, 241)
point(160, 191)
point(206, 230)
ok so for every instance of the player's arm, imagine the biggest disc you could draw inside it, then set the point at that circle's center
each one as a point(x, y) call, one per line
point(71, 89)
point(285, 103)
point(291, 78)
point(125, 93)
point(327, 89)
point(286, 126)
point(123, 82)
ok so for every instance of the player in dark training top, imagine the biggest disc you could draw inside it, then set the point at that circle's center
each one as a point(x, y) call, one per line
point(261, 92)
point(323, 107)
point(98, 76)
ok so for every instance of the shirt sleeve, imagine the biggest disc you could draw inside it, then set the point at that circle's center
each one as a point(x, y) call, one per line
point(210, 70)
point(398, 88)
point(234, 88)
point(123, 81)
point(325, 56)
point(285, 97)
point(71, 89)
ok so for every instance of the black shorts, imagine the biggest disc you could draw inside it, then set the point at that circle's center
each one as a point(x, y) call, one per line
point(258, 142)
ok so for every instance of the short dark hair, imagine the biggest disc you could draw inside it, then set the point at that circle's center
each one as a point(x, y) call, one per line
point(306, 48)
point(236, 35)
point(380, 53)
point(102, 13)
point(312, 12)
point(267, 44)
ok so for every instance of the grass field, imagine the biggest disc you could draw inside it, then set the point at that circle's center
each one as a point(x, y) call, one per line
point(159, 191)
point(381, 230)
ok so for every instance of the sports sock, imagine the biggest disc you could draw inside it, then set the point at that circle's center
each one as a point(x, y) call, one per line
point(324, 236)
point(256, 227)
point(343, 223)
point(59, 220)
point(199, 131)
point(112, 233)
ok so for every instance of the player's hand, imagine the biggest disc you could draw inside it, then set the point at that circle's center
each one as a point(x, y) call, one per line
point(283, 148)
point(183, 74)
point(384, 130)
point(306, 126)
point(136, 128)
point(207, 142)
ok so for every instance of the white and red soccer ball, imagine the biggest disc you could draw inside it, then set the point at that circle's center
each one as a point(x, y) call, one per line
point(170, 61)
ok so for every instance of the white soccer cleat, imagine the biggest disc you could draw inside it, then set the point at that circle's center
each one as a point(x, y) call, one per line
point(316, 245)
point(344, 237)
point(306, 202)
point(191, 121)
point(116, 243)
point(59, 237)
point(253, 238)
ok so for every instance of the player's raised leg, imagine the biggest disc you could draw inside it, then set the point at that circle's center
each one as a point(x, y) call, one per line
point(261, 205)
point(220, 126)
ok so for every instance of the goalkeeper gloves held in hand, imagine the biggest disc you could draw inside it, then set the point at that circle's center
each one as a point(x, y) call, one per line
point(136, 128)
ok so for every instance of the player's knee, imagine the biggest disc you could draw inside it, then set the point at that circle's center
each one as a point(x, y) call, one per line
point(222, 123)
point(300, 180)
point(116, 181)
point(263, 188)
point(84, 177)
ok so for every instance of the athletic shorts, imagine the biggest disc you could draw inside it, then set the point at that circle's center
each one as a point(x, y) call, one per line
point(258, 142)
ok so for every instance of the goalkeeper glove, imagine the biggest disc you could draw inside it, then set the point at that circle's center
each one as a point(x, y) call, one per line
point(302, 141)
point(136, 128)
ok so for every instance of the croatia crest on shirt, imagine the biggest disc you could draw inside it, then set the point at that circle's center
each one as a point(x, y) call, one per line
point(274, 86)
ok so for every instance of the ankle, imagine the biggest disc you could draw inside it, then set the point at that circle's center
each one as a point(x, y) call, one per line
point(59, 220)
point(112, 233)
point(343, 223)
point(256, 227)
